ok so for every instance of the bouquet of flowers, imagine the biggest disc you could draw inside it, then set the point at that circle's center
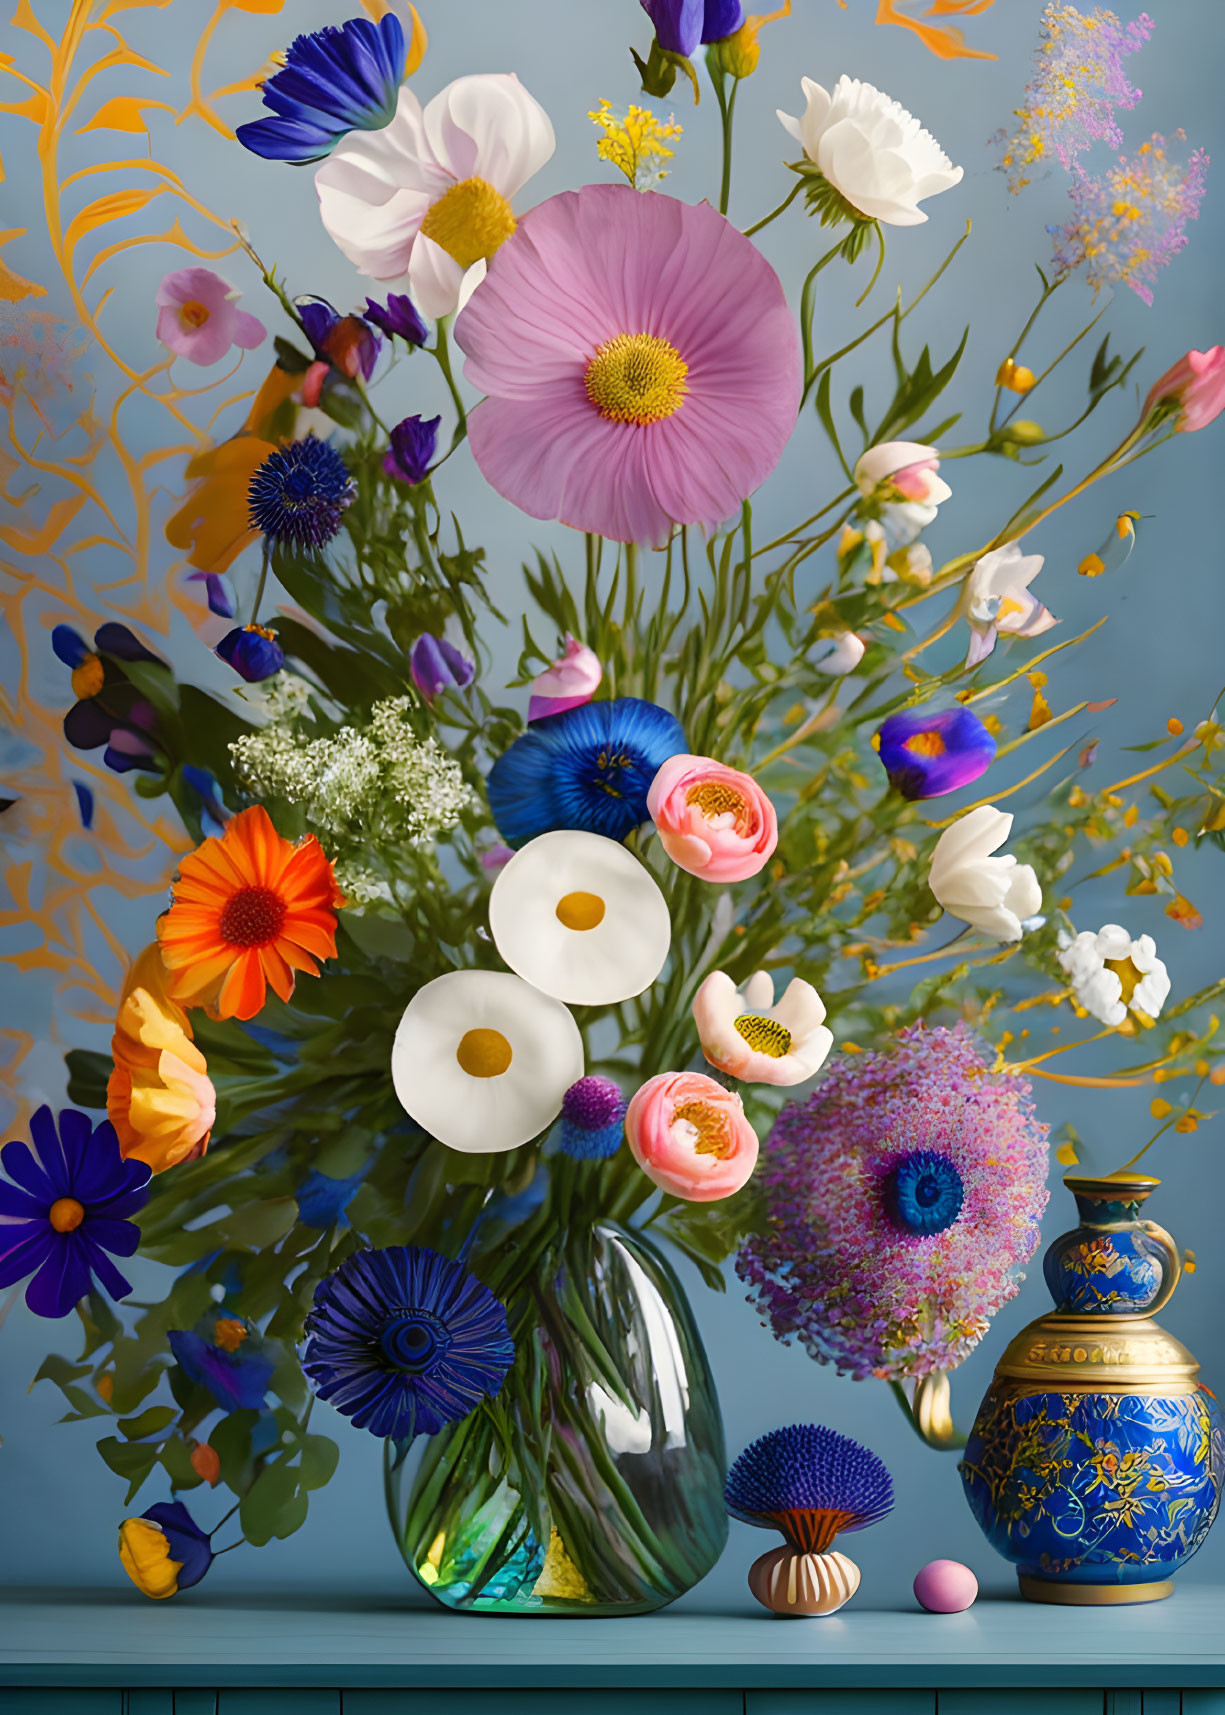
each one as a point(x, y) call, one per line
point(467, 995)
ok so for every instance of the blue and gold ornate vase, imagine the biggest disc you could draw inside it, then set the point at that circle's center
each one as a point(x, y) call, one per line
point(1095, 1462)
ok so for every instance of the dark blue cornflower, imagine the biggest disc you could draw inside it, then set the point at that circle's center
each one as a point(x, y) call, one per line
point(682, 25)
point(592, 1119)
point(927, 753)
point(252, 651)
point(588, 768)
point(413, 443)
point(924, 1192)
point(397, 318)
point(227, 1357)
point(404, 1341)
point(66, 1213)
point(345, 77)
point(299, 494)
point(436, 666)
point(109, 709)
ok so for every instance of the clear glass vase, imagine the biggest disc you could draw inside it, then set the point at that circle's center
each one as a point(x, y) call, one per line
point(596, 1488)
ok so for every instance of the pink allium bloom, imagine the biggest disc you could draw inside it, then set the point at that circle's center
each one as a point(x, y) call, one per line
point(572, 680)
point(901, 1201)
point(902, 469)
point(198, 317)
point(713, 821)
point(690, 1137)
point(641, 365)
point(1197, 382)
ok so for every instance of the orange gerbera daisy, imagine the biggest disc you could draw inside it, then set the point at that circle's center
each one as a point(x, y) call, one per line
point(160, 1099)
point(248, 909)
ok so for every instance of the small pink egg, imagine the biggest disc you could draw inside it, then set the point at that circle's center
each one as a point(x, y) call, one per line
point(945, 1587)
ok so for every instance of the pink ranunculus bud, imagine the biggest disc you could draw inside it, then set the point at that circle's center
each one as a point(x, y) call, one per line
point(569, 682)
point(907, 469)
point(690, 1137)
point(1197, 381)
point(712, 821)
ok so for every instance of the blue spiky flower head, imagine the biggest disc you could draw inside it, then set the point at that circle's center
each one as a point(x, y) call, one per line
point(404, 1340)
point(345, 77)
point(299, 494)
point(588, 768)
point(810, 1483)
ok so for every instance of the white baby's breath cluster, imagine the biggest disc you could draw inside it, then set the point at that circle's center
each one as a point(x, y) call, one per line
point(375, 787)
point(284, 697)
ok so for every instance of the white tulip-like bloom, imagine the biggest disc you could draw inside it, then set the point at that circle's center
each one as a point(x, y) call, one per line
point(482, 1060)
point(875, 155)
point(1112, 975)
point(427, 200)
point(745, 1034)
point(579, 916)
point(992, 894)
point(838, 656)
point(998, 599)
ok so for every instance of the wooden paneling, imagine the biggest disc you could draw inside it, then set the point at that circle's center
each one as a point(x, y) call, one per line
point(1044, 1702)
point(544, 1703)
point(841, 1703)
point(55, 1702)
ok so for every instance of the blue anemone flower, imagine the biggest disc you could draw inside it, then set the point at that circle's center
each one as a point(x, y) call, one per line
point(252, 651)
point(810, 1483)
point(231, 1360)
point(404, 1341)
point(300, 492)
point(681, 25)
point(345, 77)
point(924, 1192)
point(397, 318)
point(588, 768)
point(67, 1208)
point(592, 1119)
point(413, 444)
point(927, 754)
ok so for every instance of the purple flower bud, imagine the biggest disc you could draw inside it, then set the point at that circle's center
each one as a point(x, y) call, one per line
point(592, 1119)
point(412, 447)
point(438, 666)
point(252, 651)
point(397, 318)
point(681, 25)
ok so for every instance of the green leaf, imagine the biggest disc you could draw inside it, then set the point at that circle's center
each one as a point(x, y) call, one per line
point(87, 1077)
point(289, 358)
point(320, 1457)
point(131, 1459)
point(231, 1441)
point(149, 1422)
point(273, 1505)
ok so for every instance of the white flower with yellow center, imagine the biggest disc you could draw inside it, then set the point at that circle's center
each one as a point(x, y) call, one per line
point(427, 200)
point(482, 1060)
point(1112, 975)
point(744, 1034)
point(578, 915)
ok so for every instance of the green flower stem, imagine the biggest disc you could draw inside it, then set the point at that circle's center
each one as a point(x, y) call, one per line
point(808, 299)
point(786, 203)
point(265, 562)
point(441, 353)
point(727, 109)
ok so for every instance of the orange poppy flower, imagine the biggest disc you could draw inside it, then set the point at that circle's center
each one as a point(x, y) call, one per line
point(159, 1099)
point(248, 909)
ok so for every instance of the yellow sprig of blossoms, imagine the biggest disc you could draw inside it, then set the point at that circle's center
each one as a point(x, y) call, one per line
point(635, 142)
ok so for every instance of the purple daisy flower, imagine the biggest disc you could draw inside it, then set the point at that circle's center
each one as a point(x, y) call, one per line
point(65, 1214)
point(927, 753)
point(901, 1200)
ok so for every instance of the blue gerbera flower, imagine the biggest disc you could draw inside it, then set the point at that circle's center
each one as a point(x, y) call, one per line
point(588, 768)
point(924, 1192)
point(66, 1213)
point(300, 492)
point(928, 753)
point(345, 77)
point(404, 1340)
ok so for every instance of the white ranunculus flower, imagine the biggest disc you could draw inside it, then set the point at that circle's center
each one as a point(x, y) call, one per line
point(998, 599)
point(1112, 975)
point(992, 894)
point(875, 154)
point(425, 202)
point(579, 916)
point(745, 1034)
point(482, 1060)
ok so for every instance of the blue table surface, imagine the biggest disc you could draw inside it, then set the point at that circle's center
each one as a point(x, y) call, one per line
point(112, 1638)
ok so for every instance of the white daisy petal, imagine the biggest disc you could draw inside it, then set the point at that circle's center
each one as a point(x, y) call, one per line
point(482, 1060)
point(580, 917)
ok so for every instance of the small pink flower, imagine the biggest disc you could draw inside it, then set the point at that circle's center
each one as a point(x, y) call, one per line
point(198, 317)
point(690, 1137)
point(573, 680)
point(713, 821)
point(1197, 381)
point(907, 469)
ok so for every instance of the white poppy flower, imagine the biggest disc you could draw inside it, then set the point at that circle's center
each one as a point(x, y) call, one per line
point(426, 201)
point(875, 154)
point(992, 894)
point(482, 1060)
point(580, 917)
point(1112, 975)
point(744, 1034)
point(998, 599)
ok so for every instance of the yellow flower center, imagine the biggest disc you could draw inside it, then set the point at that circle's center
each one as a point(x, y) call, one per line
point(713, 798)
point(469, 221)
point(580, 910)
point(66, 1214)
point(228, 1333)
point(764, 1035)
point(636, 378)
point(712, 1124)
point(484, 1053)
point(87, 677)
point(1129, 977)
point(194, 314)
point(926, 744)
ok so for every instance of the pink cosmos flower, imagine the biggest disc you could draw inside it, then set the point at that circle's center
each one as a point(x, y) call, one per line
point(1197, 381)
point(573, 680)
point(690, 1137)
point(640, 361)
point(198, 317)
point(713, 821)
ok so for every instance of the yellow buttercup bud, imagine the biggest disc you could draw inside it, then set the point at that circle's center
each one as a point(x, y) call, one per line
point(739, 53)
point(1025, 432)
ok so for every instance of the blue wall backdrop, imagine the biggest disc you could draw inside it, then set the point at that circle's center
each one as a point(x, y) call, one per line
point(1160, 654)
